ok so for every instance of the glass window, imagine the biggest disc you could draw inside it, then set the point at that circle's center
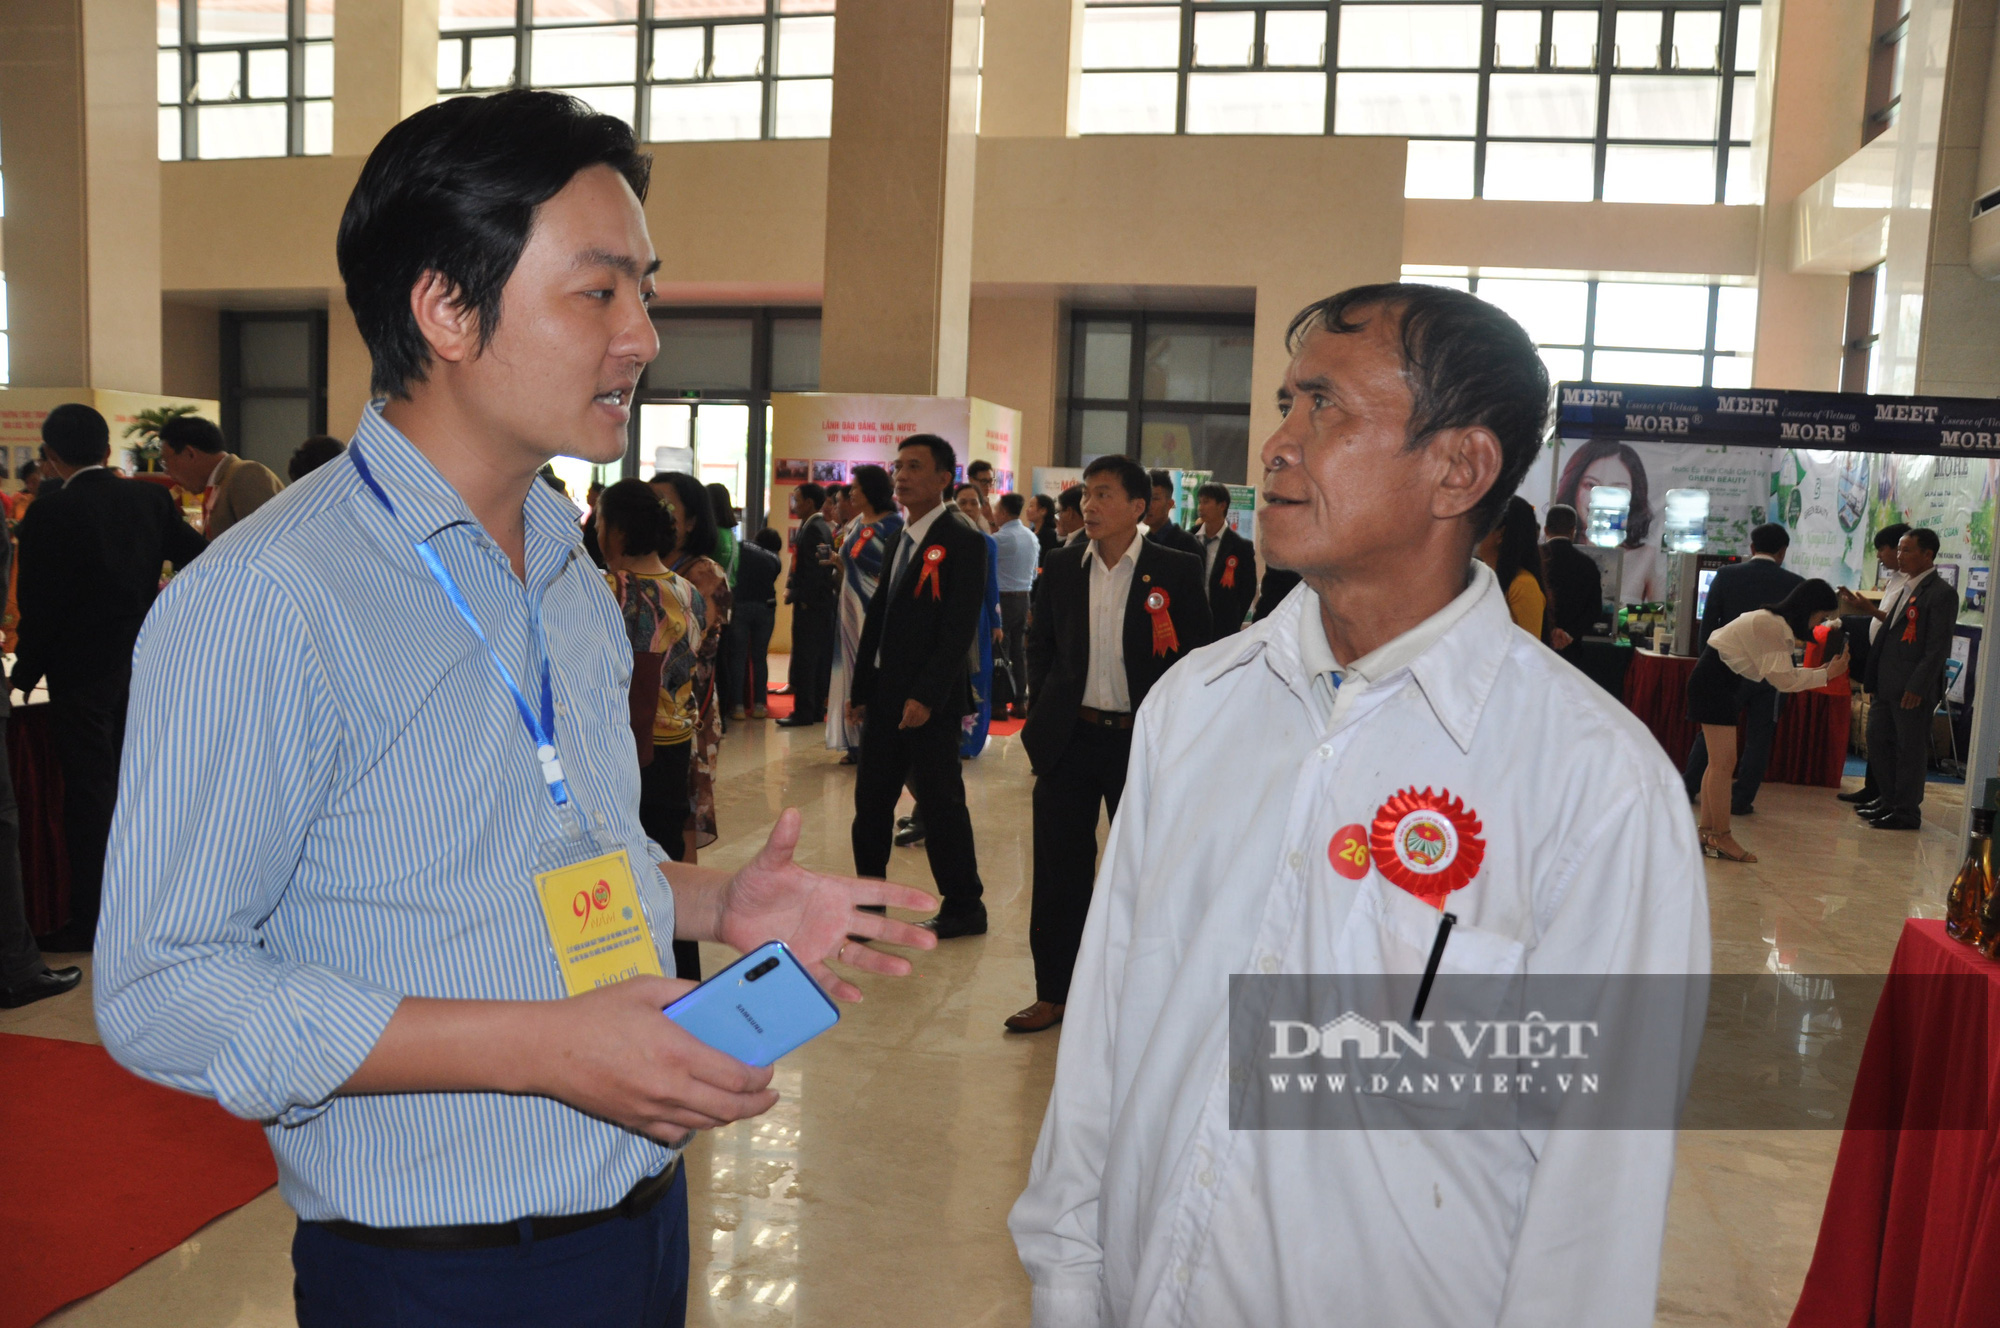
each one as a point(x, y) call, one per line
point(1749, 37)
point(1564, 366)
point(1414, 104)
point(695, 111)
point(1637, 39)
point(1104, 366)
point(583, 55)
point(1632, 366)
point(1743, 110)
point(1542, 105)
point(1218, 443)
point(1127, 38)
point(1256, 103)
point(1517, 38)
point(1294, 38)
point(1662, 106)
point(1553, 172)
point(1224, 39)
point(1128, 103)
point(679, 53)
point(1197, 363)
point(274, 376)
point(1736, 318)
point(1556, 311)
point(1575, 38)
point(805, 47)
point(1731, 371)
point(1438, 170)
point(1635, 314)
point(241, 131)
point(1410, 36)
point(1098, 433)
point(234, 60)
point(702, 354)
point(1746, 183)
point(795, 355)
point(805, 108)
point(274, 354)
point(736, 50)
point(1658, 175)
point(1697, 39)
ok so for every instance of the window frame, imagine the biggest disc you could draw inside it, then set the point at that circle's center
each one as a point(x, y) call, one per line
point(757, 396)
point(641, 81)
point(1603, 69)
point(295, 101)
point(234, 393)
point(1135, 403)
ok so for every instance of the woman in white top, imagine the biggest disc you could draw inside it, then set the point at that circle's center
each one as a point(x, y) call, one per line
point(1756, 647)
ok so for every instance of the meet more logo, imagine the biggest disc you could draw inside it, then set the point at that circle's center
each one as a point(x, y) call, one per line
point(1898, 412)
point(1968, 438)
point(1727, 405)
point(1657, 424)
point(1592, 396)
point(1791, 431)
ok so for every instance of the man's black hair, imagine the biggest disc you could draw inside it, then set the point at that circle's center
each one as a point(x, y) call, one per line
point(1560, 521)
point(1892, 535)
point(646, 524)
point(313, 453)
point(875, 486)
point(1213, 492)
point(1160, 479)
point(979, 468)
point(942, 457)
point(1131, 475)
point(1013, 504)
point(1926, 539)
point(453, 190)
point(836, 490)
point(76, 435)
point(1770, 538)
point(1071, 499)
point(809, 491)
point(1466, 362)
point(1802, 602)
point(192, 431)
point(769, 538)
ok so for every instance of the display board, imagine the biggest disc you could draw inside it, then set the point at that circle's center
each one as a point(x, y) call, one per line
point(22, 410)
point(822, 436)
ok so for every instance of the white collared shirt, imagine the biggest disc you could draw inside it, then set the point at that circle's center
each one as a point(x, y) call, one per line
point(1104, 685)
point(1894, 587)
point(914, 534)
point(1758, 645)
point(1143, 1208)
point(1209, 544)
point(1331, 683)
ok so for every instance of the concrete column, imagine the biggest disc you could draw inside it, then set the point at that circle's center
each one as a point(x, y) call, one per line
point(1016, 360)
point(77, 82)
point(1029, 77)
point(899, 197)
point(1810, 81)
point(384, 68)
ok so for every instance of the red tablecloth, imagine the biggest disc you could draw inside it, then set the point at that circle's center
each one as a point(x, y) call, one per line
point(1810, 746)
point(1911, 1234)
point(38, 789)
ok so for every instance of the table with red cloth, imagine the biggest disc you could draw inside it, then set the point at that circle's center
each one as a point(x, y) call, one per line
point(1911, 1232)
point(38, 790)
point(1810, 746)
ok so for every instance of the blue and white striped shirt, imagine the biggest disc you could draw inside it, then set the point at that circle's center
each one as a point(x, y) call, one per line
point(328, 801)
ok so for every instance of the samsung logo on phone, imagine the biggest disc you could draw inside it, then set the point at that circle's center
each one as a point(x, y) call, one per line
point(751, 1020)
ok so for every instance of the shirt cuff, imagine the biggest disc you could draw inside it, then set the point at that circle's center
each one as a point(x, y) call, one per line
point(304, 1040)
point(1065, 1305)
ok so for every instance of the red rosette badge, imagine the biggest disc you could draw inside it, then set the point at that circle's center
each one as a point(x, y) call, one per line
point(1427, 843)
point(933, 556)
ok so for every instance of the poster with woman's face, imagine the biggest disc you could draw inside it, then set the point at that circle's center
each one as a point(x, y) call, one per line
point(1737, 481)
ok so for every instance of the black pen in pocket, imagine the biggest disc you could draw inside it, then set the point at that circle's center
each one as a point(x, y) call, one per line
point(1445, 925)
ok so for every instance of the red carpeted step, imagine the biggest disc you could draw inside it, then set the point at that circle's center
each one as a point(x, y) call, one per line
point(105, 1172)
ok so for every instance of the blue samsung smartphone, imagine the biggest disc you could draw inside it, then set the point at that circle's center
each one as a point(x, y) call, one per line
point(759, 1008)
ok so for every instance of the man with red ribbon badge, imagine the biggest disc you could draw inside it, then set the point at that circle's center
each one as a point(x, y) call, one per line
point(1906, 673)
point(1229, 563)
point(1383, 782)
point(1111, 616)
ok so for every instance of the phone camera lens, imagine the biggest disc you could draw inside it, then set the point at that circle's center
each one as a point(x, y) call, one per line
point(760, 970)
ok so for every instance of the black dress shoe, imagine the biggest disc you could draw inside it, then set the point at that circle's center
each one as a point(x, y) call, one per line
point(797, 722)
point(68, 939)
point(959, 922)
point(1742, 811)
point(910, 835)
point(49, 982)
point(1895, 820)
point(1868, 809)
point(1866, 793)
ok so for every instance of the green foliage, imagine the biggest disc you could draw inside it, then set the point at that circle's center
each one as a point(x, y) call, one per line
point(146, 426)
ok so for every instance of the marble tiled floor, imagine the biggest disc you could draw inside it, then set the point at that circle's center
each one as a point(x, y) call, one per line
point(876, 1192)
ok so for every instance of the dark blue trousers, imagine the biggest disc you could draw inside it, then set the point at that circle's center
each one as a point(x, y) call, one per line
point(624, 1273)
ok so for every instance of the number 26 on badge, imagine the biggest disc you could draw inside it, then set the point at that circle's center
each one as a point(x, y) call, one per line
point(1348, 851)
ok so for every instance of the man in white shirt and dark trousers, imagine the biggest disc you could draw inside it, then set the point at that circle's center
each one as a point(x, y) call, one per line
point(1306, 797)
point(1110, 619)
point(1019, 552)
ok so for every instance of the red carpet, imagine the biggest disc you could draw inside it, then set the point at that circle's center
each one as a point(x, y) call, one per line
point(105, 1172)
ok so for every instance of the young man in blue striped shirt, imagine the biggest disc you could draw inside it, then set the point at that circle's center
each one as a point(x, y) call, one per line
point(378, 733)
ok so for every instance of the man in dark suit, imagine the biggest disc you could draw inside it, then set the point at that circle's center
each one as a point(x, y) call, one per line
point(1278, 582)
point(911, 686)
point(1736, 590)
point(1575, 586)
point(1228, 561)
point(1862, 621)
point(1906, 675)
point(90, 568)
point(1110, 618)
point(1160, 517)
point(812, 591)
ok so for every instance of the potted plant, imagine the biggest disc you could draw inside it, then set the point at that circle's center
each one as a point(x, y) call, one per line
point(146, 428)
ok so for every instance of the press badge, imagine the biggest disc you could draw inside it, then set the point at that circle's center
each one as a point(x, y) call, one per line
point(596, 920)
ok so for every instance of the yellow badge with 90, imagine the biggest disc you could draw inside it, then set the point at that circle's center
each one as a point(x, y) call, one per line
point(599, 930)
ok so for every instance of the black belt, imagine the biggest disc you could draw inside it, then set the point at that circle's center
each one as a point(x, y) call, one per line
point(1104, 719)
point(639, 1201)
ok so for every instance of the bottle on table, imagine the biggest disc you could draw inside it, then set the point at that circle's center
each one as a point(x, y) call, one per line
point(1969, 913)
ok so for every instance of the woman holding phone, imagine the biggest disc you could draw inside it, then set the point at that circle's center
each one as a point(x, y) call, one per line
point(1756, 647)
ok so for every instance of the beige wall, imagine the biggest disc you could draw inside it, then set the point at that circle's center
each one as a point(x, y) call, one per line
point(190, 350)
point(1029, 68)
point(1959, 354)
point(385, 68)
point(1715, 241)
point(1015, 359)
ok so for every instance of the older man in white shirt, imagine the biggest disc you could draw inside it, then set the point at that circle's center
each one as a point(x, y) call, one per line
point(1250, 841)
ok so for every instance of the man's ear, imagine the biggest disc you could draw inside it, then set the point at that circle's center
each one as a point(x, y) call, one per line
point(449, 326)
point(1470, 460)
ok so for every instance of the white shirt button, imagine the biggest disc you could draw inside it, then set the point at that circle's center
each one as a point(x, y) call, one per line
point(1295, 860)
point(1206, 1180)
point(1183, 1274)
point(1268, 964)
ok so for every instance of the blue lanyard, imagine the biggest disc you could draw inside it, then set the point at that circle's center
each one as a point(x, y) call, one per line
point(541, 728)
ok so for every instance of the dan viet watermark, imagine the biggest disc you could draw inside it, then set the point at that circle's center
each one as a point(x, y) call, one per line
point(1593, 1052)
